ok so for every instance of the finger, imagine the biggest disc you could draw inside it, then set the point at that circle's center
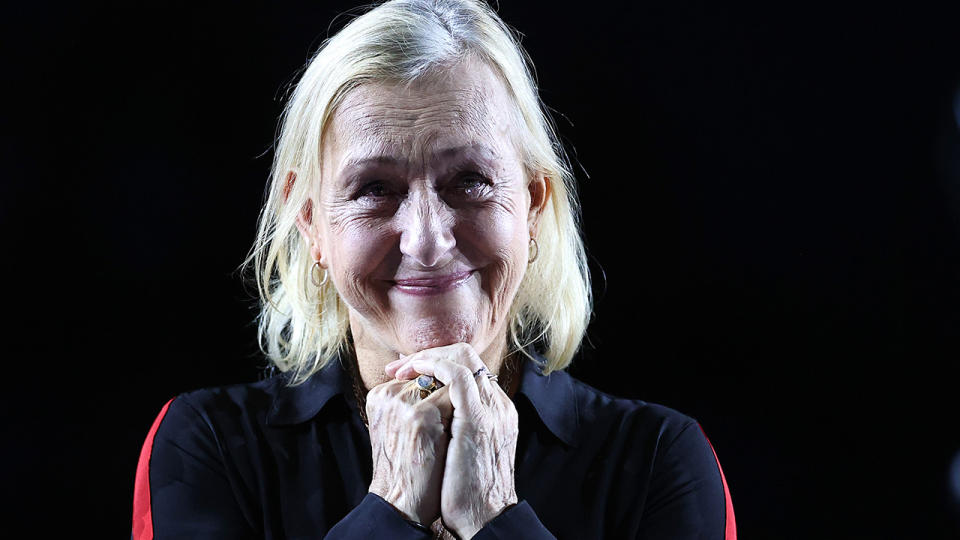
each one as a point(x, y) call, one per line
point(387, 389)
point(404, 372)
point(464, 393)
point(441, 400)
point(380, 396)
point(392, 367)
point(392, 388)
point(486, 386)
point(460, 353)
point(410, 392)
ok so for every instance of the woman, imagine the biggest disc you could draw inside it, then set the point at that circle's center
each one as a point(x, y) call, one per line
point(423, 285)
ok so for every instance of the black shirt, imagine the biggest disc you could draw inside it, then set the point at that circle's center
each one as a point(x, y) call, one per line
point(266, 460)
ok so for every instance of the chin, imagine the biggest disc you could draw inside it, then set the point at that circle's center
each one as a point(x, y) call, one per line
point(437, 332)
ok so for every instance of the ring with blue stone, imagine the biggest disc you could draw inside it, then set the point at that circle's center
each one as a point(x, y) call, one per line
point(427, 383)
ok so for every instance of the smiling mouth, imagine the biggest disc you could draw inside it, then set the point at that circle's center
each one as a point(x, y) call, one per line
point(432, 285)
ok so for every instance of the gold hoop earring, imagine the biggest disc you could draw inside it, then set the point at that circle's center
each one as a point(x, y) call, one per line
point(313, 271)
point(536, 251)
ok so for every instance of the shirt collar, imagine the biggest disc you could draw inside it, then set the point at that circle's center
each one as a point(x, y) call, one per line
point(297, 404)
point(552, 397)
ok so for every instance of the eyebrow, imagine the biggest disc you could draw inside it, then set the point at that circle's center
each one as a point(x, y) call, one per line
point(484, 150)
point(357, 163)
point(353, 164)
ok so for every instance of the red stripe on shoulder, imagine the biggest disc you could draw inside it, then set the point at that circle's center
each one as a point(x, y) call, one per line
point(730, 532)
point(142, 517)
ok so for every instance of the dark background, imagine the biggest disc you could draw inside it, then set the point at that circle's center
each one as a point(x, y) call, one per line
point(772, 198)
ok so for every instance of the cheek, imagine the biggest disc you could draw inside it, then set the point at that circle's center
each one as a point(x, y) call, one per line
point(357, 252)
point(499, 241)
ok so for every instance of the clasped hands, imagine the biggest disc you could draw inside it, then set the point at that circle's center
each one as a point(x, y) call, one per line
point(451, 454)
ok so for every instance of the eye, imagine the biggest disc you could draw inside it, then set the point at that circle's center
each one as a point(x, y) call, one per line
point(376, 190)
point(472, 185)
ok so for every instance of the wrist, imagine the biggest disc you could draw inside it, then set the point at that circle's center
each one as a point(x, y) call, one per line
point(405, 513)
point(470, 530)
point(422, 527)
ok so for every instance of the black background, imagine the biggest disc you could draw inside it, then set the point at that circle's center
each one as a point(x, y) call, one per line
point(770, 213)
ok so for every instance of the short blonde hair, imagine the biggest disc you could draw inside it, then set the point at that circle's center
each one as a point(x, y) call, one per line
point(303, 326)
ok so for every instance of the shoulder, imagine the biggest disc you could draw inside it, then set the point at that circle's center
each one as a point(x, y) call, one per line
point(217, 411)
point(633, 418)
point(207, 433)
point(666, 452)
point(648, 438)
point(193, 468)
point(584, 416)
point(236, 400)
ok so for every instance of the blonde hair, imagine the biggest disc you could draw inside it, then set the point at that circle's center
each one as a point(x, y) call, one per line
point(303, 326)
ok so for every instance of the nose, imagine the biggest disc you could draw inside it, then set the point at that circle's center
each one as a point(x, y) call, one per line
point(426, 225)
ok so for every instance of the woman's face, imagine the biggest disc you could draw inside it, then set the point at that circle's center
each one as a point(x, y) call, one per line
point(424, 211)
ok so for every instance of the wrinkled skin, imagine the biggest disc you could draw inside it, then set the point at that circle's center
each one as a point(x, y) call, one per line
point(409, 448)
point(425, 181)
point(478, 481)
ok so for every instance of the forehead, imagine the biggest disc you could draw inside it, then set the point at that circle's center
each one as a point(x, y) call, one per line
point(465, 105)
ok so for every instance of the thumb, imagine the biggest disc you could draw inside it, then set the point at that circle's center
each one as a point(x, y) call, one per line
point(440, 398)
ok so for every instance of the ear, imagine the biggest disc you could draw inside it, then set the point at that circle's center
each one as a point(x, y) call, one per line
point(304, 220)
point(540, 188)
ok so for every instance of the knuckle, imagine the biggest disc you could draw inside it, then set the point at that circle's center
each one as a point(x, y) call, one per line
point(428, 413)
point(407, 416)
point(404, 400)
point(421, 418)
point(461, 371)
point(374, 401)
point(391, 391)
point(382, 391)
point(373, 414)
point(469, 354)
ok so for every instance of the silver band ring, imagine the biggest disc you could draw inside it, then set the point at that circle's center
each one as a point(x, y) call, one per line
point(485, 371)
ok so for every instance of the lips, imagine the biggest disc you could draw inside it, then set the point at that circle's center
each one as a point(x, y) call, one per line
point(432, 284)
